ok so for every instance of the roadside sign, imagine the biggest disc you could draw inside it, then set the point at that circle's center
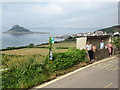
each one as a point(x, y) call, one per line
point(51, 55)
point(52, 39)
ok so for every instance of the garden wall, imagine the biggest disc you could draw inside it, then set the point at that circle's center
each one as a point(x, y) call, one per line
point(103, 53)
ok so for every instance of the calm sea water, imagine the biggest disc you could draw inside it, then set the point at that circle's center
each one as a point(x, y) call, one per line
point(16, 40)
point(10, 40)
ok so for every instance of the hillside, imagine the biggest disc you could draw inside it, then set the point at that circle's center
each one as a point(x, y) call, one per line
point(111, 29)
point(17, 28)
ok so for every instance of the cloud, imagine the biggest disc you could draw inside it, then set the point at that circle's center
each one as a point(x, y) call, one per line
point(49, 9)
point(56, 14)
point(59, 0)
point(84, 0)
point(73, 20)
point(0, 14)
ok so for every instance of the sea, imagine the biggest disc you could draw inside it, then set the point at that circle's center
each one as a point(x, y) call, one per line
point(17, 40)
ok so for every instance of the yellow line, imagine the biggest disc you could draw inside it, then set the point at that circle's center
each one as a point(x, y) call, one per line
point(108, 85)
point(66, 75)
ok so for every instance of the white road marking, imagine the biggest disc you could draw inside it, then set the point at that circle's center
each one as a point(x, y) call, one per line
point(108, 85)
point(66, 75)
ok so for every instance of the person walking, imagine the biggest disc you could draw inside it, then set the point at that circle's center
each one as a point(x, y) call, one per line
point(102, 44)
point(110, 48)
point(89, 50)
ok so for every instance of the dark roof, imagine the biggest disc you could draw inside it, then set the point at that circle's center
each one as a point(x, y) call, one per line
point(95, 37)
point(104, 36)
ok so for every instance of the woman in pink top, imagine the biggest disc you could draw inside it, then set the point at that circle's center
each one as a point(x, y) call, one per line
point(110, 48)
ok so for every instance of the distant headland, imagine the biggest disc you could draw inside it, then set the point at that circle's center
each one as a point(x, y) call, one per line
point(18, 29)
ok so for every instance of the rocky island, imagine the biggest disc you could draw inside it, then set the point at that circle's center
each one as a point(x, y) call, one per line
point(19, 29)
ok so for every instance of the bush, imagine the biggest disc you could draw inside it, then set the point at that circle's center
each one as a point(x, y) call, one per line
point(12, 48)
point(25, 74)
point(31, 45)
point(66, 60)
point(117, 43)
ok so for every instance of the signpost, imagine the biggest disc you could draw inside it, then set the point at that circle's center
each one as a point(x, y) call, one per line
point(51, 41)
point(51, 55)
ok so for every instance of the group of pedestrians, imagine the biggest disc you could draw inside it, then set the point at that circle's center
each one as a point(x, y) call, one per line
point(91, 49)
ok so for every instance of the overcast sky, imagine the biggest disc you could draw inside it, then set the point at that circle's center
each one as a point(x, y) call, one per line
point(59, 13)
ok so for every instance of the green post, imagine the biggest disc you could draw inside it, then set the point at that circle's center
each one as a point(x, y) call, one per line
point(50, 43)
point(50, 50)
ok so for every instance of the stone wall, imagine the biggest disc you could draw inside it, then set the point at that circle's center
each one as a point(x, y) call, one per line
point(103, 53)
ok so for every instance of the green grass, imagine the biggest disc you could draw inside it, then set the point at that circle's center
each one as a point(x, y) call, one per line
point(62, 44)
point(32, 51)
point(11, 60)
point(24, 73)
point(42, 51)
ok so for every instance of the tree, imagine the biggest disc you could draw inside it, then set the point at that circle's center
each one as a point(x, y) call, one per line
point(31, 45)
point(117, 43)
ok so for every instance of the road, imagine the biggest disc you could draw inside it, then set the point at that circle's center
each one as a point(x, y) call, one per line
point(103, 74)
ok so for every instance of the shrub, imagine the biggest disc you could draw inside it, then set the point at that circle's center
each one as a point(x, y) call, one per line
point(24, 74)
point(31, 45)
point(117, 43)
point(66, 60)
point(12, 48)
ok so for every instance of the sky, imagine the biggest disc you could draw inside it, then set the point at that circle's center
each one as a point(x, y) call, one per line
point(34, 14)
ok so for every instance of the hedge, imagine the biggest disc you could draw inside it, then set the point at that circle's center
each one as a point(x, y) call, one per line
point(66, 60)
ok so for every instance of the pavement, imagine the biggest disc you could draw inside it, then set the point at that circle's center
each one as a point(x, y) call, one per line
point(100, 74)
